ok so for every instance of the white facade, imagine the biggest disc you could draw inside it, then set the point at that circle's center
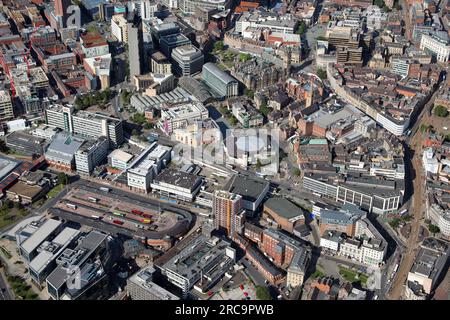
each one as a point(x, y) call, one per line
point(391, 126)
point(430, 163)
point(437, 46)
point(440, 217)
point(331, 243)
point(119, 28)
point(90, 156)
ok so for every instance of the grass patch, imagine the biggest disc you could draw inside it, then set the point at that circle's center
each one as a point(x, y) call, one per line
point(9, 216)
point(6, 253)
point(317, 274)
point(55, 191)
point(21, 288)
point(353, 276)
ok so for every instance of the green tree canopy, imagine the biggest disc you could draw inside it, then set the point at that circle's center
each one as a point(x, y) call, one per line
point(441, 111)
point(322, 74)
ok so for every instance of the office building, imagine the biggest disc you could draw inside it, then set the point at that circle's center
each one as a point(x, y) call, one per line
point(81, 272)
point(252, 190)
point(60, 153)
point(188, 60)
point(24, 143)
point(119, 159)
point(119, 28)
point(41, 266)
point(148, 9)
point(373, 195)
point(228, 212)
point(189, 6)
point(91, 154)
point(141, 287)
point(436, 45)
point(199, 264)
point(426, 271)
point(32, 236)
point(160, 64)
point(219, 82)
point(146, 166)
point(86, 124)
point(6, 107)
point(172, 41)
point(175, 115)
point(135, 49)
point(178, 185)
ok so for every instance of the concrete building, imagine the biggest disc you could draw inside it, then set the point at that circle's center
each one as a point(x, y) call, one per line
point(60, 153)
point(86, 124)
point(227, 212)
point(437, 46)
point(430, 262)
point(439, 217)
point(372, 195)
point(93, 45)
point(199, 264)
point(342, 220)
point(178, 185)
point(120, 159)
point(91, 154)
point(221, 83)
point(24, 143)
point(169, 42)
point(429, 160)
point(41, 266)
point(160, 64)
point(146, 166)
point(282, 214)
point(119, 28)
point(252, 190)
point(189, 6)
point(80, 273)
point(141, 287)
point(175, 115)
point(188, 60)
point(135, 49)
point(32, 236)
point(6, 107)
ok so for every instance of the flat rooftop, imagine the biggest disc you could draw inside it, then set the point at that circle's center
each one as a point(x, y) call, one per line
point(283, 208)
point(45, 230)
point(249, 188)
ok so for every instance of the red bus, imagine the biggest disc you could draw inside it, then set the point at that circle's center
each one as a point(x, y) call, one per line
point(137, 212)
point(119, 222)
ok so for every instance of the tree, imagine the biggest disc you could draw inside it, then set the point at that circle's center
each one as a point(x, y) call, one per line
point(63, 178)
point(243, 57)
point(134, 132)
point(262, 293)
point(322, 74)
point(441, 111)
point(233, 121)
point(433, 229)
point(301, 28)
point(379, 3)
point(265, 110)
point(394, 223)
point(296, 172)
point(148, 126)
point(249, 93)
point(218, 46)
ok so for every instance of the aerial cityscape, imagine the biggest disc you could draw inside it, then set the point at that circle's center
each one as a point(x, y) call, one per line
point(216, 150)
